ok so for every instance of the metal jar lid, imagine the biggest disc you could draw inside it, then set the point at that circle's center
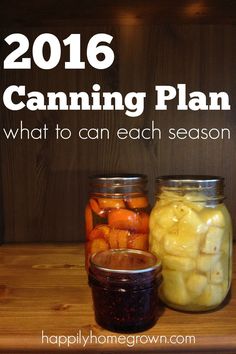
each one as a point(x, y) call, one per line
point(129, 261)
point(117, 185)
point(212, 186)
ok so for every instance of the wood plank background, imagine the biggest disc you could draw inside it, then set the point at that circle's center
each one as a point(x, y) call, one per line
point(44, 183)
point(45, 287)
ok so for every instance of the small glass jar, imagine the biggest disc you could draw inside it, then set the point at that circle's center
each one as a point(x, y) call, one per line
point(191, 232)
point(124, 287)
point(117, 213)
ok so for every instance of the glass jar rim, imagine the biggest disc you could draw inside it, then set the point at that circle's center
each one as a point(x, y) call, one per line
point(211, 186)
point(190, 179)
point(155, 264)
point(123, 178)
point(117, 185)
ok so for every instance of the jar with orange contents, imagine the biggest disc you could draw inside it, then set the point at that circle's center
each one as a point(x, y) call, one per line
point(117, 213)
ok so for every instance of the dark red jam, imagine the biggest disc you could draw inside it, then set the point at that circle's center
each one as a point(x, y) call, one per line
point(124, 287)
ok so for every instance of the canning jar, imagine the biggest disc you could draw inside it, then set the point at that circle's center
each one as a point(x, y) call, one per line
point(117, 213)
point(191, 232)
point(124, 285)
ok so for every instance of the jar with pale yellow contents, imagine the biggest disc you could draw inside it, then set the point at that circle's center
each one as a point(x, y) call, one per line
point(191, 232)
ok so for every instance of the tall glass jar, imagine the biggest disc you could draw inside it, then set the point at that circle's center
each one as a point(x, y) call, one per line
point(117, 213)
point(191, 232)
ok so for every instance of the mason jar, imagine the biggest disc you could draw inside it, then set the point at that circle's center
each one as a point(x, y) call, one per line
point(124, 284)
point(191, 232)
point(117, 213)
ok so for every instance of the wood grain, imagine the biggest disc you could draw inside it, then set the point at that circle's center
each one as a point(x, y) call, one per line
point(44, 287)
point(66, 13)
point(44, 183)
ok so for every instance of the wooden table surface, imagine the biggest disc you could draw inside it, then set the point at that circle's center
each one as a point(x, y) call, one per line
point(44, 287)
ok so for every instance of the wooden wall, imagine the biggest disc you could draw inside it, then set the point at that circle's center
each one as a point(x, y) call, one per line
point(44, 183)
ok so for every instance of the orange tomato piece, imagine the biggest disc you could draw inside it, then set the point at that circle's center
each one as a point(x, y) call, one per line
point(109, 203)
point(96, 208)
point(143, 223)
point(113, 240)
point(87, 254)
point(97, 245)
point(123, 237)
point(138, 241)
point(137, 202)
point(94, 246)
point(123, 219)
point(118, 238)
point(88, 220)
point(100, 231)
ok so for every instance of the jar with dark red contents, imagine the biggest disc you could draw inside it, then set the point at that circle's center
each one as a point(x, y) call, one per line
point(117, 213)
point(124, 285)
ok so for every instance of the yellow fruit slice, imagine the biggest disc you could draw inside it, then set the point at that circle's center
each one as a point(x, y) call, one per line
point(191, 223)
point(211, 296)
point(217, 274)
point(205, 262)
point(213, 217)
point(196, 283)
point(158, 233)
point(165, 216)
point(153, 218)
point(183, 244)
point(156, 248)
point(183, 264)
point(168, 195)
point(174, 288)
point(213, 240)
point(180, 209)
point(220, 272)
point(195, 201)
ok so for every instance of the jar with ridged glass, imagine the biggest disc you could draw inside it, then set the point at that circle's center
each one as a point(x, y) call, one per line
point(191, 233)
